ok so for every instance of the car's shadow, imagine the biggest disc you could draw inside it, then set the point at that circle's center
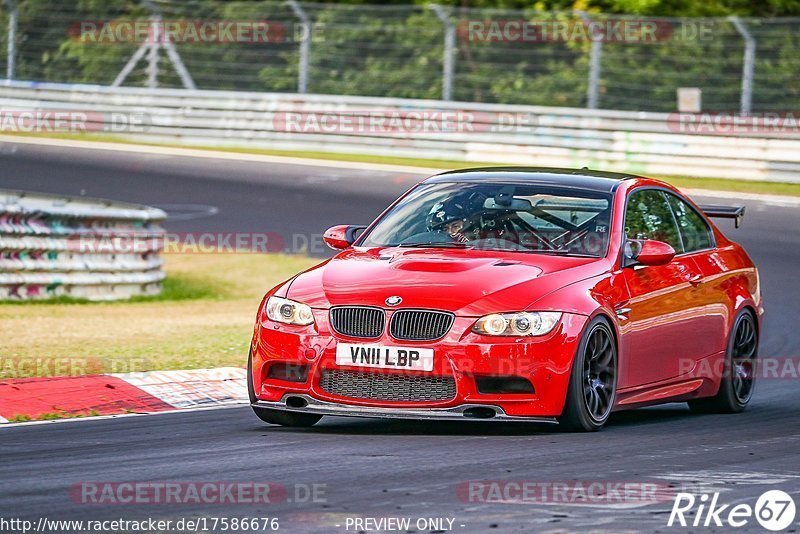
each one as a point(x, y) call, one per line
point(363, 426)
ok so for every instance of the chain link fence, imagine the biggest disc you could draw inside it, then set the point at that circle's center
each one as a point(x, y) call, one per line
point(569, 59)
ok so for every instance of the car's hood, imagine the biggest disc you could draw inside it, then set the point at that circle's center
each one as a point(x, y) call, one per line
point(467, 282)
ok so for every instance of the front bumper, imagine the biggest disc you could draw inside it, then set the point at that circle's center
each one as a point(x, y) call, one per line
point(462, 355)
point(480, 412)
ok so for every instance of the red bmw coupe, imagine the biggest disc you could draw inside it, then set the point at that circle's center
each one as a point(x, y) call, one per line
point(515, 294)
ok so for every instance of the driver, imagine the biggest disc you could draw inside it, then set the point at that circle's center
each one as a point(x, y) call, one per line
point(453, 216)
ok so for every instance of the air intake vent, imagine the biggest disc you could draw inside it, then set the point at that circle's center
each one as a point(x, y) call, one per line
point(358, 321)
point(420, 325)
point(359, 385)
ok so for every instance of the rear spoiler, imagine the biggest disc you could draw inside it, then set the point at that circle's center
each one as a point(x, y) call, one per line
point(725, 212)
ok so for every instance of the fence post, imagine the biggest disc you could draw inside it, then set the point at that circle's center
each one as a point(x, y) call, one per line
point(152, 56)
point(305, 46)
point(596, 53)
point(177, 63)
point(748, 65)
point(154, 43)
point(448, 59)
point(11, 46)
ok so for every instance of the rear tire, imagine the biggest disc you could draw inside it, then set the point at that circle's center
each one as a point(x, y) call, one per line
point(276, 417)
point(593, 380)
point(738, 378)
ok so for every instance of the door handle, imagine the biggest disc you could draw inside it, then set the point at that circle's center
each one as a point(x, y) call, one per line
point(696, 279)
point(622, 311)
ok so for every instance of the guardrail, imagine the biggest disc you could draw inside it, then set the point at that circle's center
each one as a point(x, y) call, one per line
point(53, 246)
point(637, 142)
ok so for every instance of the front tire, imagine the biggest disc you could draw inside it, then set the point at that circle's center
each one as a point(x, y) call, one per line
point(593, 380)
point(276, 417)
point(738, 377)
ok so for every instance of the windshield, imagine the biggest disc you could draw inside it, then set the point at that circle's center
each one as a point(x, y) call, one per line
point(497, 216)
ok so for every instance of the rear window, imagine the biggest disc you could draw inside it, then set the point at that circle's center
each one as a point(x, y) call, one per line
point(695, 232)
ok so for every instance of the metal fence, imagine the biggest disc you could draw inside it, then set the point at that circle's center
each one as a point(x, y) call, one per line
point(55, 246)
point(571, 59)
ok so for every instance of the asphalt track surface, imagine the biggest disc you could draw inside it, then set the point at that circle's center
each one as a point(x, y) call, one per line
point(375, 468)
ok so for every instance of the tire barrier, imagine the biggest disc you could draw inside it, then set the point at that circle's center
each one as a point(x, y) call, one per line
point(57, 246)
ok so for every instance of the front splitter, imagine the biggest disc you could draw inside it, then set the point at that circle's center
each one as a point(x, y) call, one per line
point(462, 412)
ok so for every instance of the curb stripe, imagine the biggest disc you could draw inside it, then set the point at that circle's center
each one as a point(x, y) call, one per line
point(81, 395)
point(191, 389)
point(120, 394)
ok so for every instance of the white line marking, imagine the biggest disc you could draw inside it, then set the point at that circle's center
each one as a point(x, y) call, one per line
point(775, 200)
point(121, 415)
point(216, 154)
point(722, 478)
point(331, 164)
point(187, 212)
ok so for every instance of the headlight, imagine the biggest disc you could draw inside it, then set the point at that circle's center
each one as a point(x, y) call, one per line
point(517, 324)
point(289, 312)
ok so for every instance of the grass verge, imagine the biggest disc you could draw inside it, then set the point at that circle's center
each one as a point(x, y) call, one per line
point(714, 184)
point(204, 318)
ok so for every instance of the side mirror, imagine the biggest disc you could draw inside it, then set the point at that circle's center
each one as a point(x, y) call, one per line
point(648, 252)
point(342, 236)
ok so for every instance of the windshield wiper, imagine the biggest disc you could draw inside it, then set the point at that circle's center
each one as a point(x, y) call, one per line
point(459, 245)
point(554, 252)
point(429, 244)
point(558, 252)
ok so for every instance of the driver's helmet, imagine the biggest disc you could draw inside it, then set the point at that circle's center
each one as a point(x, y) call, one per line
point(457, 207)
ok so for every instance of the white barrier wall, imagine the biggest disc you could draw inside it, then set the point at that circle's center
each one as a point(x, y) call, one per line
point(644, 143)
point(52, 246)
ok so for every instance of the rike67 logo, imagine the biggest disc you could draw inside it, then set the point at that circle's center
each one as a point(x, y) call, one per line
point(774, 510)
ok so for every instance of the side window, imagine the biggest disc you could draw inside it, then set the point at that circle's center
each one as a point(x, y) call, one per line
point(695, 232)
point(648, 216)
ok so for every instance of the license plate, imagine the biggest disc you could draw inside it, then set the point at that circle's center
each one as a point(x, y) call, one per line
point(379, 356)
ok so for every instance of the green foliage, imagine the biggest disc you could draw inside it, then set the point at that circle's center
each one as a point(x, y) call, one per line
point(395, 49)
